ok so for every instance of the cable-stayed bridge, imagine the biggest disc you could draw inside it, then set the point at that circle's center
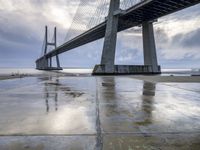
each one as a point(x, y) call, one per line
point(120, 16)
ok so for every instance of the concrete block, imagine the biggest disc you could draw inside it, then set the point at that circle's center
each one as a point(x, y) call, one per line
point(125, 70)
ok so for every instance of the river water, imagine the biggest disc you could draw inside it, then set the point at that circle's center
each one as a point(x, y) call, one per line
point(32, 71)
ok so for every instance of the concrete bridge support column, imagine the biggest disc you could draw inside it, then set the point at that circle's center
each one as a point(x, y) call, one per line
point(108, 55)
point(149, 47)
point(45, 63)
point(55, 42)
point(58, 61)
point(42, 64)
point(50, 62)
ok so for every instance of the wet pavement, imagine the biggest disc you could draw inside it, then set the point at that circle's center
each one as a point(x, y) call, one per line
point(110, 113)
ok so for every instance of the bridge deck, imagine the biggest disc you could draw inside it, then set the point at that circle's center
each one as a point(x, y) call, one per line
point(144, 11)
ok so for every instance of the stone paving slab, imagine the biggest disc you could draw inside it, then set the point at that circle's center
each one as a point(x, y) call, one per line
point(152, 142)
point(98, 113)
point(47, 143)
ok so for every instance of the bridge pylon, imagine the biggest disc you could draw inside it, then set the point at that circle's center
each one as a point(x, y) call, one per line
point(149, 47)
point(45, 63)
point(108, 66)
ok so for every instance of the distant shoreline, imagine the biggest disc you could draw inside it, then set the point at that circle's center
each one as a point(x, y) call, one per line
point(170, 75)
point(149, 78)
point(11, 77)
point(180, 79)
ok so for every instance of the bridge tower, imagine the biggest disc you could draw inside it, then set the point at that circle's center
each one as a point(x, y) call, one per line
point(108, 56)
point(46, 63)
point(108, 66)
point(149, 47)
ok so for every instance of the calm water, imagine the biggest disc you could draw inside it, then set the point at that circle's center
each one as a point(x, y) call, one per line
point(32, 71)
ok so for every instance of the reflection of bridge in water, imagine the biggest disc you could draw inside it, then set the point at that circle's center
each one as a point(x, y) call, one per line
point(52, 86)
point(116, 100)
point(51, 94)
point(143, 13)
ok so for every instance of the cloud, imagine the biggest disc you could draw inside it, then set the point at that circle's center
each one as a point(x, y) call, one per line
point(22, 27)
point(191, 39)
point(177, 38)
point(180, 45)
point(129, 47)
point(22, 31)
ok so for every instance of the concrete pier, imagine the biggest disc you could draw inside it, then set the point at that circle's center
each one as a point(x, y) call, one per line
point(149, 47)
point(125, 70)
point(46, 63)
point(108, 55)
point(108, 67)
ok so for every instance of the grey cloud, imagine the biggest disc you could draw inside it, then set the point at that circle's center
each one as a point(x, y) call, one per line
point(180, 46)
point(22, 32)
point(191, 39)
point(161, 36)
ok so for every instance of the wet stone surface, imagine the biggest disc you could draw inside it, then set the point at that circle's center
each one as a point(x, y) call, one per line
point(114, 113)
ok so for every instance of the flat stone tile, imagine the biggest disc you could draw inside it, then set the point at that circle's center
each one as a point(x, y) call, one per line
point(52, 107)
point(186, 86)
point(47, 143)
point(80, 83)
point(148, 111)
point(17, 83)
point(56, 112)
point(152, 142)
point(118, 84)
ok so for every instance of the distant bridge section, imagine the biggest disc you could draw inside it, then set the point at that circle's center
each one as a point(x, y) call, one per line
point(140, 14)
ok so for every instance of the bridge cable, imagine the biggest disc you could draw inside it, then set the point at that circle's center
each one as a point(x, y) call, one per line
point(100, 12)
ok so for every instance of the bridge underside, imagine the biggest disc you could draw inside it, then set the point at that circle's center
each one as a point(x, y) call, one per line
point(139, 14)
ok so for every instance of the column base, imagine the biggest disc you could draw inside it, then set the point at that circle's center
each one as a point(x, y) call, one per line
point(126, 70)
point(50, 68)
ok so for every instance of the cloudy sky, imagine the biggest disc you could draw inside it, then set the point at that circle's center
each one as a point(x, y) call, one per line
point(22, 25)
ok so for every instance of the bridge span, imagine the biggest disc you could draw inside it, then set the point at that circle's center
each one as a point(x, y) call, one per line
point(143, 13)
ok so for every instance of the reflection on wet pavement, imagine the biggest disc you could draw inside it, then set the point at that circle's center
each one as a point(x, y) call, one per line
point(98, 113)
